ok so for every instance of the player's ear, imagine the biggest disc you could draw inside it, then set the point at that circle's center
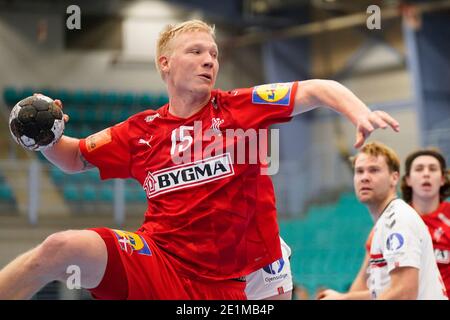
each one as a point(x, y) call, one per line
point(395, 176)
point(163, 64)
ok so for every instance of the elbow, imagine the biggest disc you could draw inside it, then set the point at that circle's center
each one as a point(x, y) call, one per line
point(72, 167)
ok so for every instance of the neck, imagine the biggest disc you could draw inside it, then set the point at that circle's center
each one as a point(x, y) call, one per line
point(376, 209)
point(424, 206)
point(185, 105)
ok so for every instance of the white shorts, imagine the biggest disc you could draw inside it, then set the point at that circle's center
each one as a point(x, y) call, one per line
point(273, 279)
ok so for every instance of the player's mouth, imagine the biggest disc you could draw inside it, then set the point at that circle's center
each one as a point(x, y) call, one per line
point(365, 189)
point(206, 76)
point(426, 185)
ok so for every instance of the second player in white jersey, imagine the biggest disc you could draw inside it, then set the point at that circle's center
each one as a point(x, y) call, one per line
point(273, 280)
point(401, 239)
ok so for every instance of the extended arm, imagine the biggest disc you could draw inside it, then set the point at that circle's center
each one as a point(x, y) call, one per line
point(331, 94)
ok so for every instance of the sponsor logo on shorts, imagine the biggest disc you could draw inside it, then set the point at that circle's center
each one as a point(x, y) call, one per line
point(275, 94)
point(131, 242)
point(275, 269)
point(188, 175)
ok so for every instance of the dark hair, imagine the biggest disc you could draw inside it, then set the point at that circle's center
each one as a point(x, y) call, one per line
point(444, 191)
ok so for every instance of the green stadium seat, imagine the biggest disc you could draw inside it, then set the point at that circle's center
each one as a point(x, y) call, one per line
point(11, 96)
point(74, 114)
point(63, 95)
point(161, 100)
point(79, 97)
point(26, 92)
point(106, 193)
point(57, 175)
point(94, 98)
point(127, 99)
point(146, 101)
point(93, 176)
point(71, 192)
point(6, 193)
point(111, 98)
point(89, 192)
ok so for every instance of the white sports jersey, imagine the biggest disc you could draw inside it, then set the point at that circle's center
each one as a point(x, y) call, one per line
point(273, 279)
point(401, 239)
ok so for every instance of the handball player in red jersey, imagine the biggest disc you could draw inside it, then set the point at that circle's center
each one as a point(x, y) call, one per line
point(426, 186)
point(211, 217)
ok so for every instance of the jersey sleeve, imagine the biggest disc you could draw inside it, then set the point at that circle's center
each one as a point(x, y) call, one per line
point(109, 151)
point(261, 106)
point(401, 242)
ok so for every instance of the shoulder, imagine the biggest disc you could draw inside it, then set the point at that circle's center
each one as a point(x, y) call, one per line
point(398, 214)
point(446, 208)
point(140, 119)
point(399, 207)
point(232, 94)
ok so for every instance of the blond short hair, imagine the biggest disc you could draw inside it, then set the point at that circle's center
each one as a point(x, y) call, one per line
point(376, 149)
point(171, 31)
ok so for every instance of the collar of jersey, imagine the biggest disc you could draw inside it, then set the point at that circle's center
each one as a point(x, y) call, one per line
point(170, 116)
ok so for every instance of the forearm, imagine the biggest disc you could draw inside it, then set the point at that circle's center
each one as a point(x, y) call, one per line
point(357, 295)
point(333, 95)
point(65, 154)
point(358, 285)
point(398, 293)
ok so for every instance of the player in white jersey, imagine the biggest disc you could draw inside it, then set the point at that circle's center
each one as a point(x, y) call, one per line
point(274, 281)
point(401, 264)
point(401, 239)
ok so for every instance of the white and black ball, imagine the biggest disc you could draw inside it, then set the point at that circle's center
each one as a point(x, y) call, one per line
point(36, 122)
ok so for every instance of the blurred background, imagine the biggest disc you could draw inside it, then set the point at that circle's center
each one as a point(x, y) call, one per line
point(103, 72)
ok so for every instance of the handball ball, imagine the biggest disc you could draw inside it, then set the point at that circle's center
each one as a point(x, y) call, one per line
point(36, 122)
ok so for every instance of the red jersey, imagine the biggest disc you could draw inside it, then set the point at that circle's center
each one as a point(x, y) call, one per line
point(438, 223)
point(214, 216)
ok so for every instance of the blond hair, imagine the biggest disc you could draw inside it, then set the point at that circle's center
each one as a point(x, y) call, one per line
point(376, 149)
point(171, 31)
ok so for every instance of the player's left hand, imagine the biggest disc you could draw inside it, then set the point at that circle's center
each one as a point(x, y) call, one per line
point(371, 121)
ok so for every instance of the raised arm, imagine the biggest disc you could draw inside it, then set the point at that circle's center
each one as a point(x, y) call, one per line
point(328, 93)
